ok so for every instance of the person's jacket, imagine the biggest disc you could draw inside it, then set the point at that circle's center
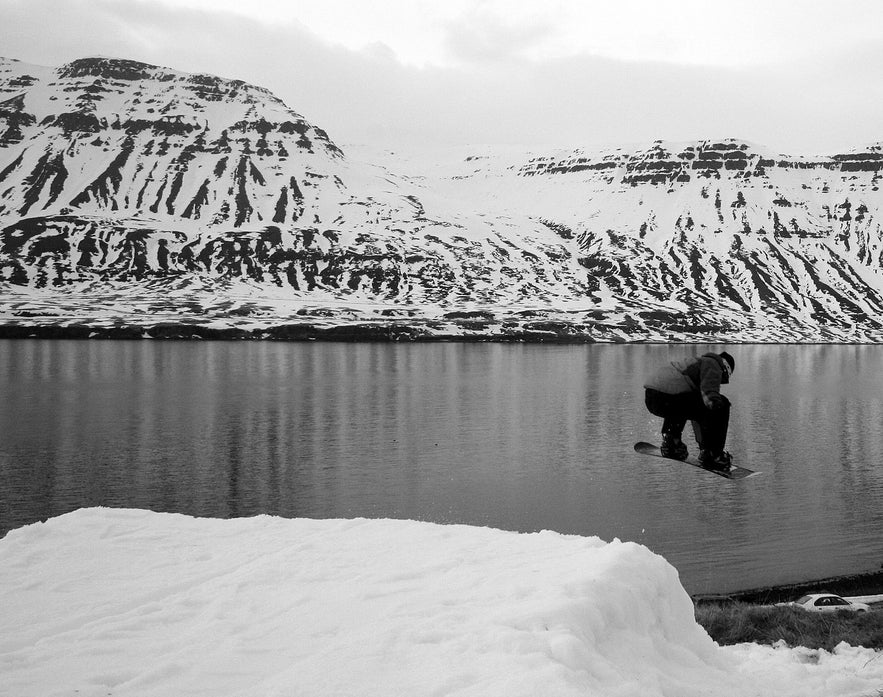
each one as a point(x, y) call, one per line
point(703, 374)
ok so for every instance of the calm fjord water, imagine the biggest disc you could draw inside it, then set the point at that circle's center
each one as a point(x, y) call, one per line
point(519, 437)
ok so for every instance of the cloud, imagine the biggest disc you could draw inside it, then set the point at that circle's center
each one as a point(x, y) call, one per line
point(502, 90)
point(482, 35)
point(287, 59)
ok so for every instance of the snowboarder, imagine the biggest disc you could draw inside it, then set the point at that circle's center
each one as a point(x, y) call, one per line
point(689, 390)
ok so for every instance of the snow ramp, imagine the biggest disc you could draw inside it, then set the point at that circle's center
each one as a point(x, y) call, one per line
point(130, 602)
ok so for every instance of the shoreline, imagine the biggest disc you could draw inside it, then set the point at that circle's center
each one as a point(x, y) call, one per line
point(866, 583)
point(391, 333)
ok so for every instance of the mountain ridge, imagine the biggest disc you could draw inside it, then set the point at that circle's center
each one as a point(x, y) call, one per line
point(142, 201)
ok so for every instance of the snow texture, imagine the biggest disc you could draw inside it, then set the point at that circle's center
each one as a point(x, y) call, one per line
point(126, 602)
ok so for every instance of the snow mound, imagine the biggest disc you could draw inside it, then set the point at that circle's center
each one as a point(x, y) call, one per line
point(125, 602)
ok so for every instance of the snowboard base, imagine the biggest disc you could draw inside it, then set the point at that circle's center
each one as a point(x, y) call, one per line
point(735, 472)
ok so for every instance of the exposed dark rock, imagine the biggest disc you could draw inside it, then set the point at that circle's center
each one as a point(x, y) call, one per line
point(78, 122)
point(49, 170)
point(110, 68)
point(474, 314)
point(107, 184)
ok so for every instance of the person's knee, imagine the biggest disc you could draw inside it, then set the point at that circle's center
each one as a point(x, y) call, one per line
point(716, 404)
point(654, 402)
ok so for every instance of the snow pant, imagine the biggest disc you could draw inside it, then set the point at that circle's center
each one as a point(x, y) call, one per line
point(709, 425)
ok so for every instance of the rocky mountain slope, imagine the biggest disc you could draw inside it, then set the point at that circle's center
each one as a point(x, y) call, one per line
point(140, 201)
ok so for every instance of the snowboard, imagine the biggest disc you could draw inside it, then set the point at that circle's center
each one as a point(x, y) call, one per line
point(734, 472)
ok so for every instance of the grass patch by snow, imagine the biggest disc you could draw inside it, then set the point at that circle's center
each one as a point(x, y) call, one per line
point(735, 623)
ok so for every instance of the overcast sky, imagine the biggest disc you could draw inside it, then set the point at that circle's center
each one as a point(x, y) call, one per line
point(797, 76)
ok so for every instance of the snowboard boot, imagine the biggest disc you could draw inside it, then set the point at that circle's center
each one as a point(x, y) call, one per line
point(716, 461)
point(673, 447)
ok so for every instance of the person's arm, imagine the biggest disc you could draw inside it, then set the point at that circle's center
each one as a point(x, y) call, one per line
point(710, 376)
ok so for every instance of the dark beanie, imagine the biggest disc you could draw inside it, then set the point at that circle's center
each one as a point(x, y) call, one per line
point(729, 359)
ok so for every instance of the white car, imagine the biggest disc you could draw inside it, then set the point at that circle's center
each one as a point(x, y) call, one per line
point(827, 602)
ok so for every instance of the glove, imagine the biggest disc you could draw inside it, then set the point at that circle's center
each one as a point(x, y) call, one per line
point(716, 401)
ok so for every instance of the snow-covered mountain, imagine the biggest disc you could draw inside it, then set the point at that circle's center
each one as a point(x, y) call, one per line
point(139, 200)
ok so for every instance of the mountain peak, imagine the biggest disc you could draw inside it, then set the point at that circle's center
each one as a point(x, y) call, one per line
point(110, 68)
point(105, 134)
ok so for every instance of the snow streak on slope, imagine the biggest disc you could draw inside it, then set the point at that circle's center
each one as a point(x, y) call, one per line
point(139, 200)
point(140, 603)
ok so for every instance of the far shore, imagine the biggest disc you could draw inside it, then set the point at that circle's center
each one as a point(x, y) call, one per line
point(440, 330)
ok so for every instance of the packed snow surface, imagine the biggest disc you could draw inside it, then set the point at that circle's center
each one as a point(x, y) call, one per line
point(126, 602)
